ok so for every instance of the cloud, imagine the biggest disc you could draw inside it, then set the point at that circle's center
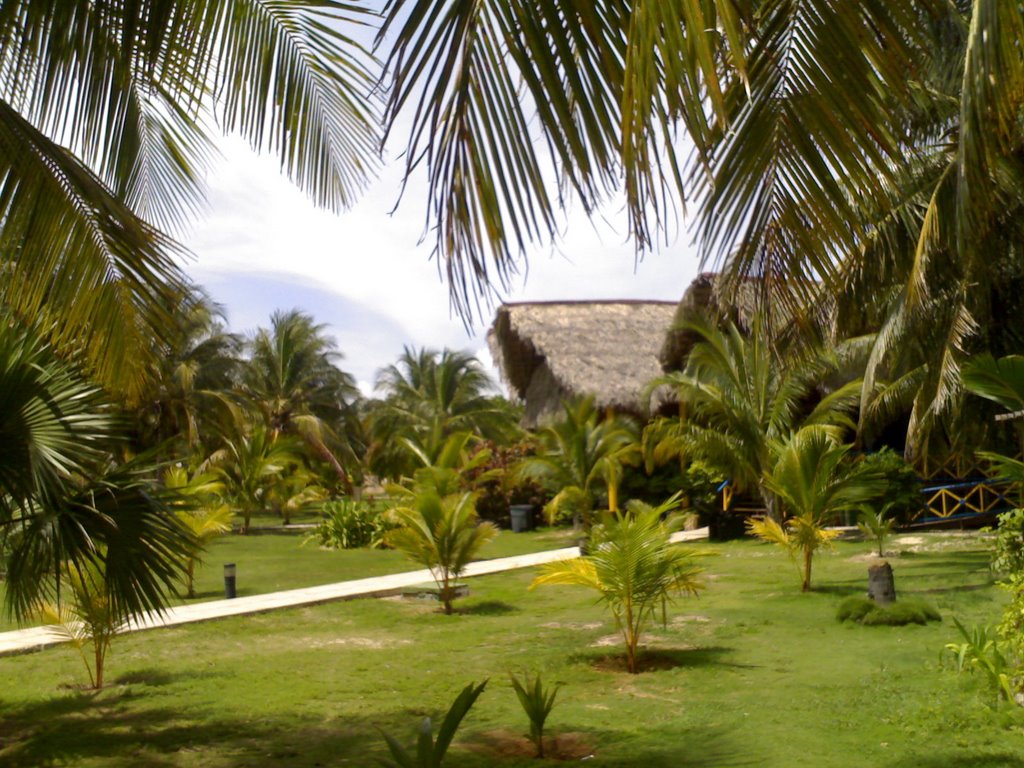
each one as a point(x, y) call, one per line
point(368, 274)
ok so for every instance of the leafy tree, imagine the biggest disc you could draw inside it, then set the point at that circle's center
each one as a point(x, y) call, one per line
point(579, 455)
point(440, 531)
point(633, 566)
point(105, 112)
point(428, 396)
point(293, 382)
point(814, 483)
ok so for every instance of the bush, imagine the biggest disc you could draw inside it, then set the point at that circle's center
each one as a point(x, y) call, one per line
point(490, 480)
point(903, 497)
point(866, 611)
point(1008, 556)
point(350, 524)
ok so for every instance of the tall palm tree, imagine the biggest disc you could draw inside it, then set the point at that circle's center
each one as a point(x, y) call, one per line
point(579, 455)
point(190, 389)
point(739, 394)
point(63, 502)
point(105, 117)
point(851, 156)
point(292, 380)
point(428, 397)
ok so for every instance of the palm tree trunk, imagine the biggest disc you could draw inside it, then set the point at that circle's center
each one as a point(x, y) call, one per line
point(325, 453)
point(808, 559)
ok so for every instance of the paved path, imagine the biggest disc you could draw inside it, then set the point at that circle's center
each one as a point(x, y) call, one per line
point(36, 638)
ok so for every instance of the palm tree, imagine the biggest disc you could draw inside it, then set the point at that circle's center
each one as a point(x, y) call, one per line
point(105, 111)
point(579, 455)
point(441, 532)
point(201, 511)
point(63, 502)
point(429, 396)
point(634, 567)
point(814, 482)
point(740, 394)
point(861, 160)
point(190, 391)
point(251, 464)
point(292, 380)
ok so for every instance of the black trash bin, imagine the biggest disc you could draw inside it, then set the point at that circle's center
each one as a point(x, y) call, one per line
point(521, 515)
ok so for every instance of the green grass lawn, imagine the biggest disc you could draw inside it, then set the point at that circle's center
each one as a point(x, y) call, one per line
point(273, 562)
point(751, 673)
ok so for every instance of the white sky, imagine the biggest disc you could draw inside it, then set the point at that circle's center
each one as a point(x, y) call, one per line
point(367, 275)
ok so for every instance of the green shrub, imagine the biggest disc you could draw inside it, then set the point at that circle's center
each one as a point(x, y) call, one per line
point(1008, 556)
point(866, 611)
point(350, 524)
point(903, 496)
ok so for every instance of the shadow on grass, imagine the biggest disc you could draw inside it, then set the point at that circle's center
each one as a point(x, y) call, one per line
point(119, 729)
point(488, 608)
point(842, 590)
point(705, 748)
point(613, 659)
point(961, 760)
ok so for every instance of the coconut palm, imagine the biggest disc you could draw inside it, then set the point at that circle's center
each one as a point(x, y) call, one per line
point(105, 118)
point(633, 566)
point(440, 532)
point(63, 502)
point(578, 456)
point(292, 380)
point(861, 160)
point(250, 464)
point(740, 394)
point(814, 482)
point(190, 392)
point(201, 510)
point(429, 396)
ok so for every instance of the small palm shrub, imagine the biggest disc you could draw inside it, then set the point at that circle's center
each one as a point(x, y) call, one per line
point(866, 611)
point(980, 650)
point(633, 566)
point(877, 525)
point(441, 533)
point(537, 702)
point(350, 524)
point(88, 621)
point(430, 752)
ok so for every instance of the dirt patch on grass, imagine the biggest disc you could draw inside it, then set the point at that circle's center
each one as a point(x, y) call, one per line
point(507, 744)
point(574, 626)
point(372, 643)
point(649, 660)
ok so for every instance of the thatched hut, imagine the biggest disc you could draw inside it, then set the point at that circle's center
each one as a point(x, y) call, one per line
point(548, 352)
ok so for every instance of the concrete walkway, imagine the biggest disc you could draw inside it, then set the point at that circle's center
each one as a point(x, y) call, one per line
point(37, 638)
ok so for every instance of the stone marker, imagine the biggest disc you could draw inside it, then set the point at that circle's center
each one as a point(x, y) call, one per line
point(881, 586)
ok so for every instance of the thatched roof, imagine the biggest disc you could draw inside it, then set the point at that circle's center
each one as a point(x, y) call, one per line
point(704, 298)
point(550, 351)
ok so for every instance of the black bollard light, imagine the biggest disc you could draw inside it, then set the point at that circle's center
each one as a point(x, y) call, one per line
point(229, 580)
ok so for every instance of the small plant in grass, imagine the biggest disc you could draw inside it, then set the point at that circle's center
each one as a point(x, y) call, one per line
point(441, 533)
point(866, 611)
point(350, 524)
point(634, 567)
point(813, 483)
point(87, 621)
point(430, 752)
point(537, 702)
point(980, 650)
point(877, 525)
